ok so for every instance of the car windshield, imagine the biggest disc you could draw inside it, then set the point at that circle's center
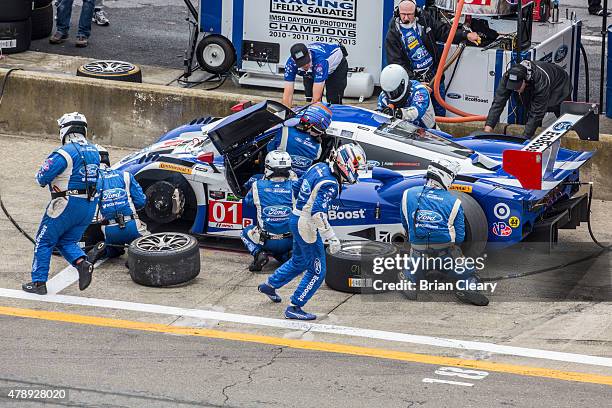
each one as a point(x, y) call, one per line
point(406, 132)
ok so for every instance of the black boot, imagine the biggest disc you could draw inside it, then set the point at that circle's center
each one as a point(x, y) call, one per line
point(473, 297)
point(259, 261)
point(39, 288)
point(97, 252)
point(85, 270)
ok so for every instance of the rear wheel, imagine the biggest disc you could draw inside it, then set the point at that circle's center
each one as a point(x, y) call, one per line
point(476, 231)
point(165, 202)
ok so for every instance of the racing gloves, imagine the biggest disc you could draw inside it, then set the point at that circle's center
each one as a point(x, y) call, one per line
point(327, 232)
point(409, 114)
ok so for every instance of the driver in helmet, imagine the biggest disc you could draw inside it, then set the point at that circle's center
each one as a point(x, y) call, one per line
point(433, 219)
point(405, 99)
point(310, 227)
point(306, 142)
point(272, 197)
point(120, 197)
point(71, 174)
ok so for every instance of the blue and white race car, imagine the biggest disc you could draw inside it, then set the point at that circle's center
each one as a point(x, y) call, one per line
point(511, 189)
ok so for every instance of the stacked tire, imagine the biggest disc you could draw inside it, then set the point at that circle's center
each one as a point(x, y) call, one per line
point(42, 19)
point(15, 25)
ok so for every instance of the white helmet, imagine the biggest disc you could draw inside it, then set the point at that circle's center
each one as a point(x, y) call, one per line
point(277, 164)
point(74, 122)
point(395, 82)
point(349, 159)
point(442, 173)
point(104, 156)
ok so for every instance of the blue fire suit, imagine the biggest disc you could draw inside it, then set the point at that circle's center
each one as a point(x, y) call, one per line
point(419, 99)
point(69, 171)
point(434, 221)
point(325, 59)
point(273, 201)
point(422, 60)
point(303, 148)
point(314, 190)
point(120, 196)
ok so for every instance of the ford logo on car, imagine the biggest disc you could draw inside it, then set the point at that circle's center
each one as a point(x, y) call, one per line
point(300, 161)
point(428, 216)
point(453, 95)
point(561, 53)
point(277, 211)
point(561, 126)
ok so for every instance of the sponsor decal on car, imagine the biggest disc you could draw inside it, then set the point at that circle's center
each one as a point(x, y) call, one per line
point(501, 211)
point(561, 126)
point(514, 222)
point(461, 187)
point(217, 195)
point(232, 197)
point(501, 229)
point(176, 168)
point(346, 215)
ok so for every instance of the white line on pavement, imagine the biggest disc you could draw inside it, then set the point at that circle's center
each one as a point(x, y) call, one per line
point(435, 380)
point(590, 38)
point(312, 327)
point(65, 278)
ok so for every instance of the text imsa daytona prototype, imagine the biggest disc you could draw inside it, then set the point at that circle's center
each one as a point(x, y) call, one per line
point(194, 176)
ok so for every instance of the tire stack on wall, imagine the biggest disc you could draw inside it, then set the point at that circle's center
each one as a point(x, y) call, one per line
point(15, 25)
point(42, 19)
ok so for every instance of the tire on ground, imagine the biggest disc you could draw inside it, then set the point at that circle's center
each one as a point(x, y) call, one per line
point(92, 235)
point(476, 225)
point(121, 71)
point(42, 22)
point(215, 54)
point(15, 10)
point(158, 266)
point(351, 269)
point(15, 36)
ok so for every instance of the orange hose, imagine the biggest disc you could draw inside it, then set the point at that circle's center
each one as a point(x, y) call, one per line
point(465, 117)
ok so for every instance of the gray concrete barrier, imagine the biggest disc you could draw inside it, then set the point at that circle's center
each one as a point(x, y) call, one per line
point(133, 115)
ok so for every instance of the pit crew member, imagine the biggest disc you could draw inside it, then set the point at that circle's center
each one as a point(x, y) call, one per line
point(306, 142)
point(411, 43)
point(434, 221)
point(321, 65)
point(273, 201)
point(309, 226)
point(405, 99)
point(71, 173)
point(541, 87)
point(120, 197)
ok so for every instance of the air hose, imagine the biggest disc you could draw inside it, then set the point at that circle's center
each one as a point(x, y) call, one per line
point(586, 73)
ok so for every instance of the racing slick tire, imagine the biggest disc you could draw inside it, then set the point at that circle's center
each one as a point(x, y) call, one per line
point(476, 225)
point(15, 10)
point(42, 22)
point(215, 54)
point(350, 270)
point(15, 36)
point(113, 70)
point(164, 259)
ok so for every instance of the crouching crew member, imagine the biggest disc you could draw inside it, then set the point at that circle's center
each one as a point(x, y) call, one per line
point(120, 197)
point(405, 99)
point(306, 142)
point(273, 201)
point(309, 226)
point(71, 173)
point(433, 219)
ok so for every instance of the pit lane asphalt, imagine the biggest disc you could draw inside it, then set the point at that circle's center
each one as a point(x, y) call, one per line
point(153, 365)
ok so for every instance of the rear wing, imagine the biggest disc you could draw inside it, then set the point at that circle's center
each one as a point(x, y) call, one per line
point(535, 162)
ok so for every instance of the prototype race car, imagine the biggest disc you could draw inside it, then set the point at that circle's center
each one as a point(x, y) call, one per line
point(194, 176)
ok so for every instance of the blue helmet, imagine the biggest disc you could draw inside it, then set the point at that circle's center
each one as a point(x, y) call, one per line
point(317, 118)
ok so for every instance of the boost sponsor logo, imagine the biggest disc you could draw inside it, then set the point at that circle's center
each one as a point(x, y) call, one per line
point(346, 215)
point(501, 229)
point(428, 216)
point(277, 211)
point(473, 98)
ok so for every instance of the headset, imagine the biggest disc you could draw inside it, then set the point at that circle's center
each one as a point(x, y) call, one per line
point(417, 11)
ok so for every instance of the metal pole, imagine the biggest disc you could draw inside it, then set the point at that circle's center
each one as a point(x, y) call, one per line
point(602, 68)
point(519, 31)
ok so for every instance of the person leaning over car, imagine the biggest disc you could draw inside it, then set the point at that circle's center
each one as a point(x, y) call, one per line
point(541, 87)
point(323, 66)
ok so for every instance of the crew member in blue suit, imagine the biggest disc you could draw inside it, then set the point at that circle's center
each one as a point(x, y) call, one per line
point(309, 226)
point(120, 197)
point(322, 66)
point(405, 99)
point(433, 218)
point(306, 141)
point(71, 173)
point(273, 201)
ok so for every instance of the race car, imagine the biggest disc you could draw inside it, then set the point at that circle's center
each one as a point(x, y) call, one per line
point(511, 189)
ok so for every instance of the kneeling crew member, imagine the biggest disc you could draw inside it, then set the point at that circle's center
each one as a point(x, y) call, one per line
point(71, 172)
point(120, 197)
point(273, 200)
point(306, 142)
point(433, 219)
point(309, 226)
point(322, 66)
point(541, 87)
point(405, 99)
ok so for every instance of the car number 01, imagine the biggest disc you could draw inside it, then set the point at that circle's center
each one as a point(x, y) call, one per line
point(226, 212)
